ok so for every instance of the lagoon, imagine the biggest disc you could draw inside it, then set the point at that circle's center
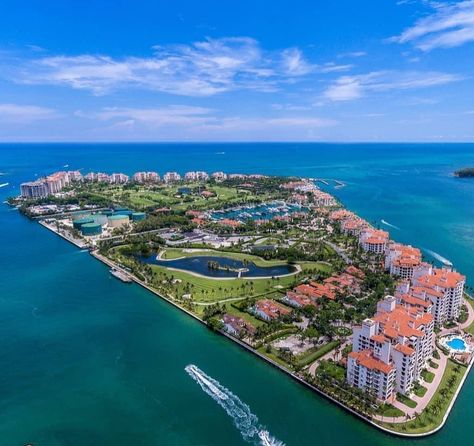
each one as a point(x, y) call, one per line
point(228, 267)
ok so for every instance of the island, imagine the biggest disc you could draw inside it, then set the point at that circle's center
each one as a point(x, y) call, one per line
point(281, 267)
point(467, 172)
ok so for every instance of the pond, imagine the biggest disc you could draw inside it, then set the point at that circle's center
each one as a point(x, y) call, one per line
point(215, 266)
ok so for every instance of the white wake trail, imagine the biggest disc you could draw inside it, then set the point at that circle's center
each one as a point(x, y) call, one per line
point(386, 223)
point(244, 420)
point(439, 257)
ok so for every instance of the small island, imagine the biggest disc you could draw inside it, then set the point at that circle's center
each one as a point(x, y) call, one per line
point(467, 172)
point(280, 267)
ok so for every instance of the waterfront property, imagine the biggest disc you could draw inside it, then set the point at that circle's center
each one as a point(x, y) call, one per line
point(305, 303)
point(397, 337)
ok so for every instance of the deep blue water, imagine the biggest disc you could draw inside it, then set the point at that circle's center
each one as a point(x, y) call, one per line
point(199, 265)
point(87, 360)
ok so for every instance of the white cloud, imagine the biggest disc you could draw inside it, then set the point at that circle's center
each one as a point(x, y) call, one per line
point(294, 62)
point(197, 120)
point(450, 25)
point(353, 54)
point(24, 114)
point(347, 88)
point(200, 69)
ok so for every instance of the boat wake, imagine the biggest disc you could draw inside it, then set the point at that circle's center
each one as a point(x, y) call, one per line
point(244, 420)
point(386, 223)
point(4, 184)
point(439, 257)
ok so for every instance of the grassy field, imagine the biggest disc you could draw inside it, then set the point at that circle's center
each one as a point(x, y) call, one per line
point(407, 401)
point(427, 376)
point(312, 355)
point(387, 410)
point(143, 197)
point(204, 289)
point(333, 370)
point(433, 415)
point(244, 315)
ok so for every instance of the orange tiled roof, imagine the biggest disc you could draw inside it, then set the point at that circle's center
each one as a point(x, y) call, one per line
point(367, 359)
point(405, 349)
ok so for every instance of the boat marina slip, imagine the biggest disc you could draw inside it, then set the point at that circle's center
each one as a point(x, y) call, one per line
point(279, 266)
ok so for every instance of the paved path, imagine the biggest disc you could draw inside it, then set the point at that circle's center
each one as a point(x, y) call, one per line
point(470, 317)
point(340, 251)
point(423, 401)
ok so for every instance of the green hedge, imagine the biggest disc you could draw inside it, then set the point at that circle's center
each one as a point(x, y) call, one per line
point(308, 358)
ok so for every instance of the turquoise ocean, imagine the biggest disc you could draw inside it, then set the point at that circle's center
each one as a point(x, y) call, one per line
point(87, 360)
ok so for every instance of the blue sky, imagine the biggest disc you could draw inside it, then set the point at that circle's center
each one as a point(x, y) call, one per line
point(236, 71)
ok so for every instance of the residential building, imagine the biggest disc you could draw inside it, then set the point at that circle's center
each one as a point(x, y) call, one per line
point(146, 177)
point(34, 190)
point(219, 176)
point(119, 178)
point(171, 177)
point(196, 176)
point(401, 260)
point(298, 300)
point(371, 375)
point(237, 326)
point(270, 310)
point(443, 287)
point(373, 240)
point(75, 175)
point(399, 337)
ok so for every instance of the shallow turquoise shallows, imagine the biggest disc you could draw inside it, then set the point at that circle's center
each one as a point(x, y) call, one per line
point(86, 360)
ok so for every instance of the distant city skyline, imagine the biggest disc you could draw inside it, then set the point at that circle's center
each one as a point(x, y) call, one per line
point(253, 71)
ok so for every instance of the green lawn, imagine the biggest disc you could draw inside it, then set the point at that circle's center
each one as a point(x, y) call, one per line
point(273, 355)
point(387, 410)
point(427, 376)
point(142, 197)
point(312, 355)
point(204, 289)
point(405, 400)
point(433, 415)
point(330, 368)
point(244, 315)
point(419, 390)
point(433, 364)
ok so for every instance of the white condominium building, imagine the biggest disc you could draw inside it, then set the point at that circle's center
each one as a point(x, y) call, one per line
point(219, 176)
point(118, 178)
point(373, 240)
point(443, 287)
point(34, 189)
point(401, 260)
point(196, 176)
point(146, 177)
point(171, 177)
point(392, 347)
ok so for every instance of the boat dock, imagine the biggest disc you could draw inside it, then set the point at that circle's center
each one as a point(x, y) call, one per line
point(121, 275)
